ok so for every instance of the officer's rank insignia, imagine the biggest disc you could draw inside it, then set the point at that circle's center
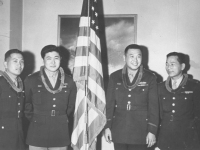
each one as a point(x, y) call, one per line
point(188, 92)
point(142, 84)
point(65, 85)
point(119, 83)
point(39, 85)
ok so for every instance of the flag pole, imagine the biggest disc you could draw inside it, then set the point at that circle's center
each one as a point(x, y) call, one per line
point(86, 81)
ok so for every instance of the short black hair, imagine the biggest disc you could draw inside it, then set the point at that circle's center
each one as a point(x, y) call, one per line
point(12, 51)
point(180, 56)
point(49, 48)
point(132, 46)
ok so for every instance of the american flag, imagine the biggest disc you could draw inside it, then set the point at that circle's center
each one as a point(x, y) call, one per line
point(89, 116)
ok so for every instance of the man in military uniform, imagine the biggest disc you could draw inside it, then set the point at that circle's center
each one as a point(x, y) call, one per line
point(132, 104)
point(179, 98)
point(11, 102)
point(50, 99)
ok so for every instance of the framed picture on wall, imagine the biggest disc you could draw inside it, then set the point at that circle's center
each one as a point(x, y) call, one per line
point(116, 32)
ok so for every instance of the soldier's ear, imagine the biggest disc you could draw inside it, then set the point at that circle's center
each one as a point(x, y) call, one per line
point(5, 64)
point(124, 57)
point(182, 66)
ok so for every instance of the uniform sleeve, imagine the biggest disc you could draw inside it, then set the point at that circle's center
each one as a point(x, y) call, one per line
point(110, 102)
point(72, 99)
point(28, 101)
point(196, 97)
point(153, 107)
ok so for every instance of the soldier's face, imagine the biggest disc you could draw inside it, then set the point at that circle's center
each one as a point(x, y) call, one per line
point(173, 67)
point(133, 59)
point(14, 64)
point(52, 61)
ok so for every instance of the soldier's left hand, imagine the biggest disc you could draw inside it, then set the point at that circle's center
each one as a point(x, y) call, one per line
point(150, 139)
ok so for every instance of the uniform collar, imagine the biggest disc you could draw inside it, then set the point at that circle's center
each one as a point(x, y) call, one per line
point(14, 79)
point(178, 81)
point(184, 81)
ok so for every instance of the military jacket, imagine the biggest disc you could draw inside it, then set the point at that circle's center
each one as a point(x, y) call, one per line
point(132, 112)
point(48, 112)
point(180, 114)
point(11, 108)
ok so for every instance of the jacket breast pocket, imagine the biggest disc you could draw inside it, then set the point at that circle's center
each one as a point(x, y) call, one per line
point(142, 90)
point(119, 93)
point(6, 99)
point(141, 94)
point(37, 96)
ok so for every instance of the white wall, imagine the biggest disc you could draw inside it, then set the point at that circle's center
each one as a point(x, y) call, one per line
point(16, 9)
point(4, 29)
point(163, 26)
point(10, 27)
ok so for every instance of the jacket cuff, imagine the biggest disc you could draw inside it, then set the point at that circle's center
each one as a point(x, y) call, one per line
point(152, 128)
point(108, 124)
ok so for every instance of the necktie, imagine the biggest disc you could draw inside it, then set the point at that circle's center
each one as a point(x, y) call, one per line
point(174, 86)
point(53, 80)
point(131, 77)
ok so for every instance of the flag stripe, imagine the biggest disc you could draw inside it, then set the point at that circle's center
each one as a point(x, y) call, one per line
point(81, 51)
point(82, 41)
point(95, 39)
point(98, 90)
point(84, 22)
point(79, 108)
point(96, 125)
point(94, 62)
point(78, 129)
point(80, 61)
point(96, 101)
point(92, 116)
point(98, 78)
point(83, 31)
point(83, 37)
